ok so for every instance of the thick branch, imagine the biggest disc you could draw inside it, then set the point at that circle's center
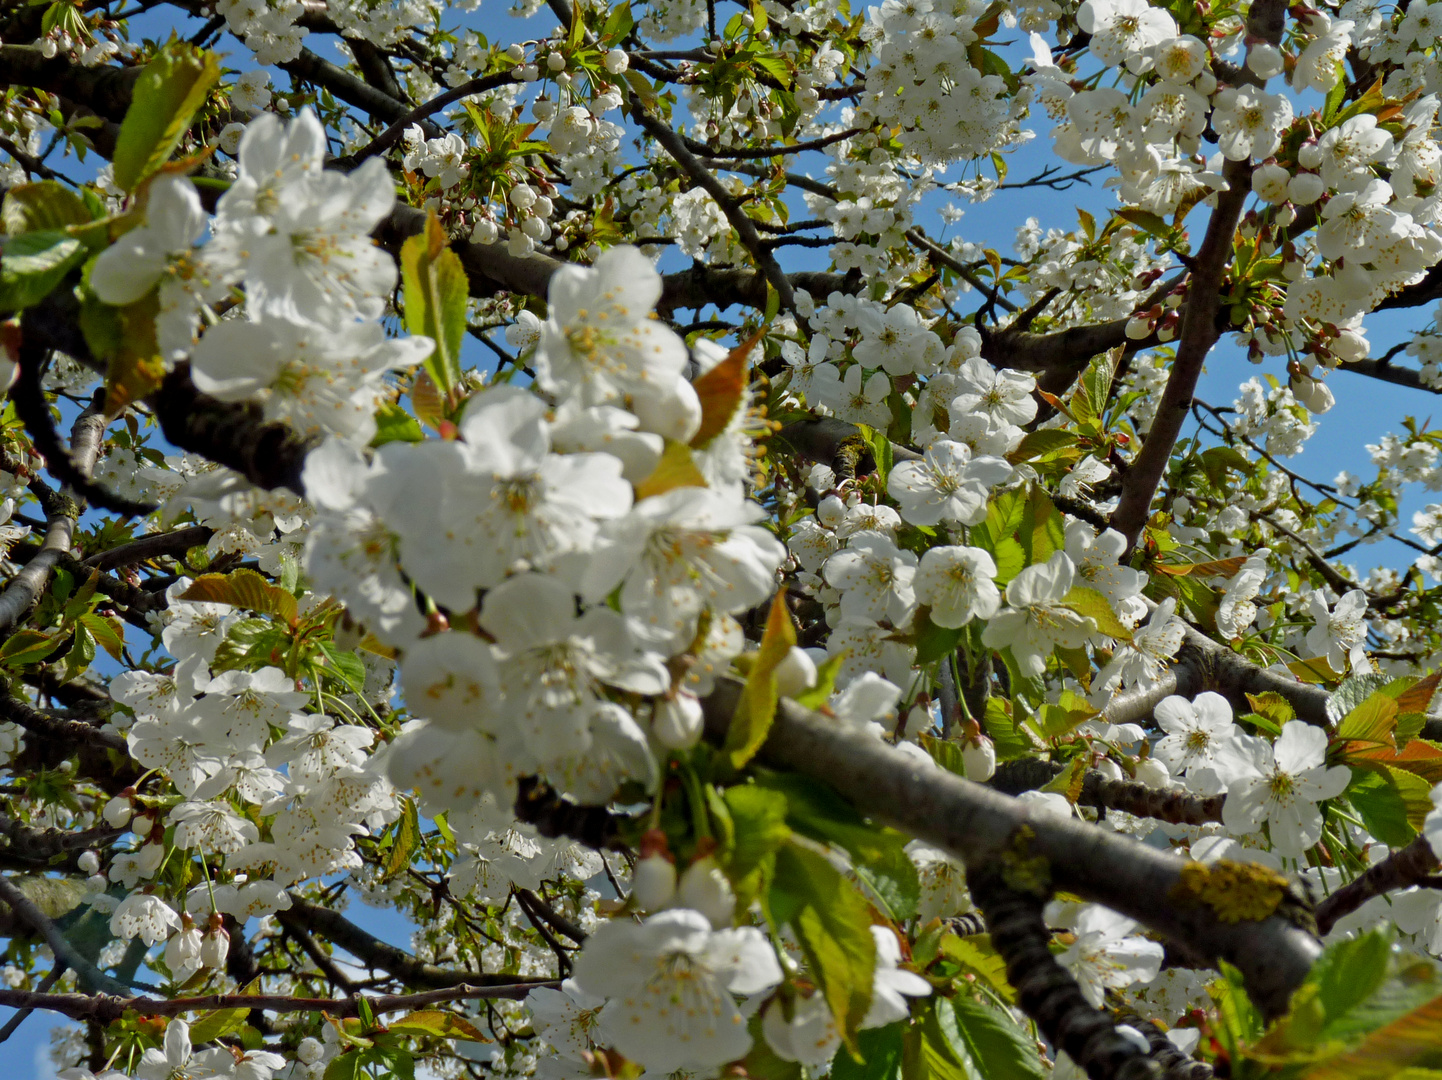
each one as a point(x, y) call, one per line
point(49, 849)
point(978, 825)
point(269, 454)
point(106, 89)
point(1171, 805)
point(145, 548)
point(1202, 664)
point(1045, 990)
point(51, 727)
point(61, 513)
point(312, 68)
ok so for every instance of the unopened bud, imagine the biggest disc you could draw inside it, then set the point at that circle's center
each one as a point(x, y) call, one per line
point(653, 883)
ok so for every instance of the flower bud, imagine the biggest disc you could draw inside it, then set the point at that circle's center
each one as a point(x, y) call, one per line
point(795, 674)
point(653, 883)
point(1264, 60)
point(214, 948)
point(617, 61)
point(516, 53)
point(89, 862)
point(704, 888)
point(979, 759)
point(485, 232)
point(556, 62)
point(1110, 769)
point(676, 721)
point(1305, 188)
point(1153, 774)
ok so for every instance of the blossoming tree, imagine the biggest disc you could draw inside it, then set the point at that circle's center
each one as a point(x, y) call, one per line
point(856, 651)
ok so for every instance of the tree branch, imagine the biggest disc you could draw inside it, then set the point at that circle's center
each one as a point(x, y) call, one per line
point(144, 548)
point(1198, 334)
point(27, 912)
point(745, 228)
point(978, 825)
point(340, 931)
point(105, 1008)
point(68, 731)
point(1399, 870)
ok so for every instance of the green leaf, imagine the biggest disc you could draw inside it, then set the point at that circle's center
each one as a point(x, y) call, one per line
point(676, 468)
point(1146, 220)
point(346, 666)
point(1373, 721)
point(1354, 690)
point(124, 337)
point(80, 654)
point(757, 706)
point(997, 1047)
point(934, 642)
point(394, 424)
point(45, 205)
point(218, 1024)
point(1411, 1039)
point(1093, 605)
point(997, 535)
point(978, 955)
point(244, 589)
point(1414, 985)
point(1042, 444)
point(1381, 808)
point(441, 1025)
point(879, 1057)
point(758, 818)
point(1011, 742)
point(832, 923)
point(34, 263)
point(878, 855)
point(28, 647)
point(1349, 972)
point(1238, 1022)
point(1217, 460)
point(435, 290)
point(407, 840)
point(881, 452)
point(945, 753)
point(1042, 531)
point(826, 673)
point(165, 99)
point(105, 634)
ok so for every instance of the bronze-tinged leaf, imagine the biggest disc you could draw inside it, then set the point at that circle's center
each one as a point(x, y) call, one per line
point(427, 400)
point(1419, 757)
point(1389, 1049)
point(1418, 696)
point(244, 589)
point(1215, 568)
point(722, 391)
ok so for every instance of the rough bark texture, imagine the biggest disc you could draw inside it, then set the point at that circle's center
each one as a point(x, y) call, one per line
point(977, 825)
